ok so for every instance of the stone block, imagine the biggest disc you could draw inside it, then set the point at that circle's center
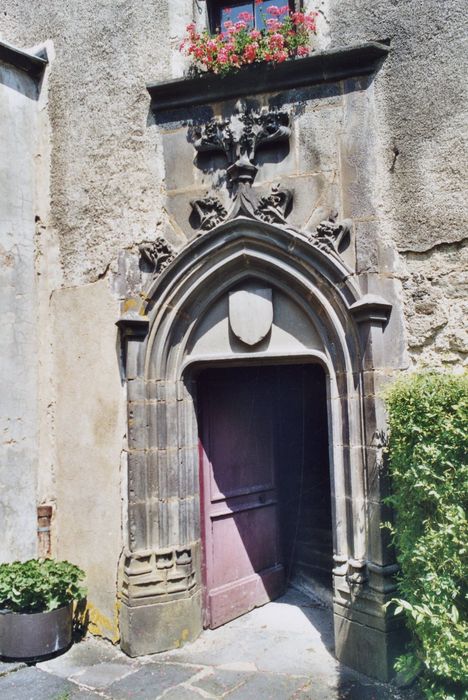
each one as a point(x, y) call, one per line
point(33, 683)
point(357, 152)
point(373, 252)
point(276, 161)
point(148, 629)
point(380, 549)
point(137, 425)
point(318, 147)
point(137, 475)
point(136, 389)
point(177, 150)
point(367, 649)
point(137, 524)
point(135, 358)
point(310, 191)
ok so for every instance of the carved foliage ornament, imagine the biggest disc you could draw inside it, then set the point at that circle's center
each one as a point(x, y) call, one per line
point(240, 137)
point(158, 254)
point(272, 208)
point(332, 235)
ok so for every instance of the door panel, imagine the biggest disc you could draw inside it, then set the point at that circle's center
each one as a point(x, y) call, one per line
point(238, 483)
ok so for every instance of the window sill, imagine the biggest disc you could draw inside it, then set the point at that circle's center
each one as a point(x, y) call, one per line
point(320, 67)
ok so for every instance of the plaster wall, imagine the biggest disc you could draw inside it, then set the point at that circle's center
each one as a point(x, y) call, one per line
point(89, 427)
point(18, 310)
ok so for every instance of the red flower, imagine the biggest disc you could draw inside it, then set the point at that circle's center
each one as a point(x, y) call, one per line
point(246, 16)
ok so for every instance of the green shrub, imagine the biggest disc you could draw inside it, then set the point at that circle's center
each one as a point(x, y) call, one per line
point(38, 585)
point(429, 476)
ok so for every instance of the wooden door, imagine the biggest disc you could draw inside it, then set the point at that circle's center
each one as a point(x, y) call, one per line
point(242, 562)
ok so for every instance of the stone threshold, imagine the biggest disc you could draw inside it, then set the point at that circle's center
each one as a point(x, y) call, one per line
point(321, 67)
point(28, 62)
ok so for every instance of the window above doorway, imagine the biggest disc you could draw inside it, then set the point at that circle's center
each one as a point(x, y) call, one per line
point(253, 12)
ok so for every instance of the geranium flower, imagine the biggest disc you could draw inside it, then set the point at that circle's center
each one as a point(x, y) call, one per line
point(273, 24)
point(245, 16)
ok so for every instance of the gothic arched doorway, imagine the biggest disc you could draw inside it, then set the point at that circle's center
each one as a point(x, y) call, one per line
point(245, 293)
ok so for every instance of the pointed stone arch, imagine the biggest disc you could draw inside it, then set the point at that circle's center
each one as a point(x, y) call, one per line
point(331, 322)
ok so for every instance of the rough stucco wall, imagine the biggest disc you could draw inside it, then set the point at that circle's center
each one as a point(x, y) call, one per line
point(18, 337)
point(90, 427)
point(421, 168)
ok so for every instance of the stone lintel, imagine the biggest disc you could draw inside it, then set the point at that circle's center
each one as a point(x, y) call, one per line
point(28, 62)
point(323, 66)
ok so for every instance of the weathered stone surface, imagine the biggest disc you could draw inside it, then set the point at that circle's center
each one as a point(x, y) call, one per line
point(29, 683)
point(356, 644)
point(151, 681)
point(147, 629)
point(19, 419)
point(89, 427)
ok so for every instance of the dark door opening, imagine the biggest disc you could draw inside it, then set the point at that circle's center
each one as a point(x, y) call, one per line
point(265, 485)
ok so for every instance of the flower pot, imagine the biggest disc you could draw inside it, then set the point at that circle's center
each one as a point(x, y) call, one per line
point(30, 635)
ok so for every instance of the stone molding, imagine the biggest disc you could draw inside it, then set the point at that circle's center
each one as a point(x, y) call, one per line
point(323, 66)
point(149, 575)
point(34, 64)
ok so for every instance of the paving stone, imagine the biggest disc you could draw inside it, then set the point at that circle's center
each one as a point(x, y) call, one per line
point(150, 681)
point(79, 657)
point(219, 682)
point(33, 684)
point(10, 667)
point(182, 693)
point(271, 686)
point(104, 674)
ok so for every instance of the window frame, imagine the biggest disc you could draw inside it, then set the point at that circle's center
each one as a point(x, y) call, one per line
point(214, 8)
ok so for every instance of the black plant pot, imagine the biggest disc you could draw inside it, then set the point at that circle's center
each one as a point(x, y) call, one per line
point(31, 635)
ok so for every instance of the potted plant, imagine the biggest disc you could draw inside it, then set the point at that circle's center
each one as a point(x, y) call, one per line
point(36, 606)
point(285, 35)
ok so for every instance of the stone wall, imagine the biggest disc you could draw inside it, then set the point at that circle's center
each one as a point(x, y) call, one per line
point(110, 190)
point(19, 95)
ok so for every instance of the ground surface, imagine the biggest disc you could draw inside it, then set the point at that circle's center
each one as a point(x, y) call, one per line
point(282, 651)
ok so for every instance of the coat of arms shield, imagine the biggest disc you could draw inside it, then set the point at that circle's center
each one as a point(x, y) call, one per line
point(251, 314)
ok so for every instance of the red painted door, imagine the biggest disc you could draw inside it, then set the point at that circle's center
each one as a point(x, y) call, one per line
point(242, 562)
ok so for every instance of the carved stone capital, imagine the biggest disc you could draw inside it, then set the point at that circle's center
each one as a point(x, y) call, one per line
point(371, 308)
